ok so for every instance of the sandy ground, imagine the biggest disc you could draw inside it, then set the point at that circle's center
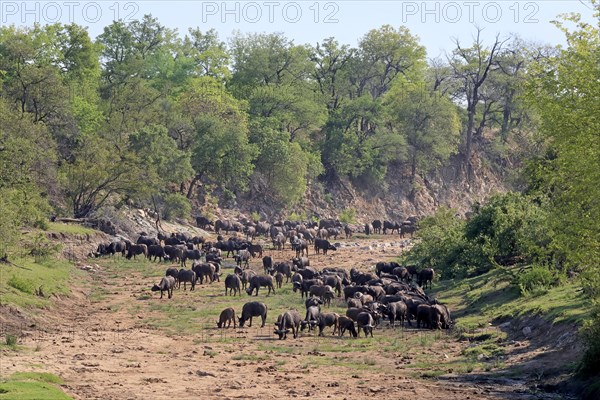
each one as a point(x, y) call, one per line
point(103, 351)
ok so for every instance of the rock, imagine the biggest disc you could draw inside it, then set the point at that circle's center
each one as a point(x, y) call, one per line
point(527, 331)
point(480, 357)
point(505, 326)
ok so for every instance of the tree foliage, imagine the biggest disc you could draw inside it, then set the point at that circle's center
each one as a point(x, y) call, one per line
point(564, 91)
point(142, 111)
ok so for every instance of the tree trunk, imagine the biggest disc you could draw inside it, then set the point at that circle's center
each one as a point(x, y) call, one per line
point(192, 186)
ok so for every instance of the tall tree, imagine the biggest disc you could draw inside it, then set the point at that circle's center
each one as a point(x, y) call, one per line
point(427, 121)
point(383, 54)
point(472, 66)
point(565, 92)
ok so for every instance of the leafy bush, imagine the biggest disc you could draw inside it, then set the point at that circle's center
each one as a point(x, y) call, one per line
point(10, 340)
point(590, 333)
point(535, 281)
point(348, 216)
point(22, 285)
point(507, 230)
point(42, 224)
point(255, 216)
point(442, 244)
point(295, 217)
point(176, 206)
point(42, 248)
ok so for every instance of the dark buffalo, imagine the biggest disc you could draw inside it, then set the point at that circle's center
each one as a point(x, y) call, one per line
point(393, 226)
point(425, 275)
point(136, 250)
point(156, 251)
point(323, 244)
point(346, 324)
point(285, 322)
point(253, 309)
point(267, 263)
point(256, 282)
point(377, 225)
point(232, 284)
point(227, 316)
point(205, 271)
point(148, 241)
point(185, 276)
point(167, 283)
point(365, 321)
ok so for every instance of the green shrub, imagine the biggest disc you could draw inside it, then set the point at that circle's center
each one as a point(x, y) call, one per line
point(255, 216)
point(42, 224)
point(295, 217)
point(10, 340)
point(348, 216)
point(42, 248)
point(509, 229)
point(22, 285)
point(176, 206)
point(536, 280)
point(590, 333)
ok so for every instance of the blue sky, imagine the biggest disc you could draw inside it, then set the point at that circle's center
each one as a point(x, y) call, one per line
point(435, 22)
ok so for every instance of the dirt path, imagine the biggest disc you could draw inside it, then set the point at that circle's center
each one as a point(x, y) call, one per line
point(102, 350)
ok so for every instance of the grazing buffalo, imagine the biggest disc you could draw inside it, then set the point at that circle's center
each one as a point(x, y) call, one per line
point(261, 281)
point(346, 324)
point(285, 322)
point(327, 319)
point(253, 309)
point(167, 283)
point(156, 251)
point(227, 316)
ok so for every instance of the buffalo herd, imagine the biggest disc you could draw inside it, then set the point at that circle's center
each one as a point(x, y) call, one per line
point(392, 292)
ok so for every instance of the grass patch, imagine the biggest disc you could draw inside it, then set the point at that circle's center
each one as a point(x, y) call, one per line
point(250, 357)
point(32, 285)
point(59, 227)
point(487, 350)
point(477, 301)
point(32, 386)
point(10, 340)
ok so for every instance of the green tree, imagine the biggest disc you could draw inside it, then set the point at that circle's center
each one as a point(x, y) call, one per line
point(216, 134)
point(161, 161)
point(427, 121)
point(97, 174)
point(472, 68)
point(564, 91)
point(382, 55)
point(26, 166)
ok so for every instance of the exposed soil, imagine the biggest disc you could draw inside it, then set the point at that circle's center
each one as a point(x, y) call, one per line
point(102, 351)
